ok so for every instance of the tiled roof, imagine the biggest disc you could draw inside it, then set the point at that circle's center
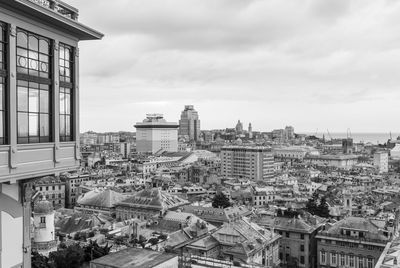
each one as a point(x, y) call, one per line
point(107, 198)
point(81, 221)
point(153, 198)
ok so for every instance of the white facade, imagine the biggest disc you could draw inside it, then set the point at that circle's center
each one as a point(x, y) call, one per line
point(155, 134)
point(381, 162)
point(44, 227)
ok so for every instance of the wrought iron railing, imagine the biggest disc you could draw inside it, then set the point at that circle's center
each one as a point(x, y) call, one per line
point(59, 7)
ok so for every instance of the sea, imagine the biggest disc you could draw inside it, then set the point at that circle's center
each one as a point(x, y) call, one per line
point(374, 138)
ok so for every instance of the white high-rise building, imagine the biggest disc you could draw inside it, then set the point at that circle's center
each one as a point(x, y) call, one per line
point(381, 160)
point(155, 134)
point(254, 163)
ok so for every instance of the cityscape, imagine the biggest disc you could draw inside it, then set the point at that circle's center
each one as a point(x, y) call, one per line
point(186, 185)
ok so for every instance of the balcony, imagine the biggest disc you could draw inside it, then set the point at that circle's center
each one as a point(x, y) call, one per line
point(59, 7)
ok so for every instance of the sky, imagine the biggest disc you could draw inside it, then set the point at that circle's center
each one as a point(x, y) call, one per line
point(312, 64)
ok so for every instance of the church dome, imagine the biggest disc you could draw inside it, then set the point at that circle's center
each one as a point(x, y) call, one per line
point(43, 207)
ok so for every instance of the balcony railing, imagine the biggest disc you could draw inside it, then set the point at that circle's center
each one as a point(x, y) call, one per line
point(59, 7)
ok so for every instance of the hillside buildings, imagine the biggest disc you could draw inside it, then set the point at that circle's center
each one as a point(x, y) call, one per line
point(189, 124)
point(53, 189)
point(254, 163)
point(39, 96)
point(155, 134)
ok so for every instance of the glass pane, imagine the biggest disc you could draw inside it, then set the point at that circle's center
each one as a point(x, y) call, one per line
point(33, 43)
point(62, 55)
point(1, 96)
point(44, 101)
point(44, 46)
point(62, 103)
point(22, 124)
point(1, 125)
point(33, 55)
point(22, 52)
point(44, 58)
point(67, 54)
point(33, 125)
point(22, 61)
point(62, 125)
point(44, 125)
point(33, 100)
point(67, 125)
point(22, 40)
point(22, 99)
point(67, 103)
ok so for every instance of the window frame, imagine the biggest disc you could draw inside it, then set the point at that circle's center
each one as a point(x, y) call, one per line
point(32, 79)
point(3, 83)
point(67, 88)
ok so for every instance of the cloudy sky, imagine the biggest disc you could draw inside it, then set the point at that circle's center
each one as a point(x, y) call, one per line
point(313, 64)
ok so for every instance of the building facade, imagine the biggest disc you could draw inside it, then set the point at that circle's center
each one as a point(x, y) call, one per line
point(155, 134)
point(381, 162)
point(39, 114)
point(53, 189)
point(254, 163)
point(352, 242)
point(189, 125)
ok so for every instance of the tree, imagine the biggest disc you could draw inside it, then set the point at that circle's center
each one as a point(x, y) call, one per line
point(311, 205)
point(39, 261)
point(153, 241)
point(323, 208)
point(71, 257)
point(94, 251)
point(220, 201)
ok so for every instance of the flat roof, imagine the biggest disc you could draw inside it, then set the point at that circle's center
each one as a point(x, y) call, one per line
point(134, 258)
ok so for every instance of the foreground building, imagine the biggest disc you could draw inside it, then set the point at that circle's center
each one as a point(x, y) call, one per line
point(253, 163)
point(155, 134)
point(351, 242)
point(39, 100)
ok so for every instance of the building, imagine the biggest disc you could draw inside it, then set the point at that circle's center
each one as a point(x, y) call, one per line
point(155, 134)
point(39, 96)
point(53, 189)
point(390, 257)
point(254, 163)
point(339, 161)
point(147, 203)
point(44, 238)
point(72, 182)
point(289, 133)
point(262, 196)
point(298, 245)
point(381, 161)
point(98, 201)
point(246, 242)
point(136, 258)
point(294, 152)
point(239, 127)
point(347, 146)
point(250, 131)
point(189, 125)
point(125, 149)
point(351, 242)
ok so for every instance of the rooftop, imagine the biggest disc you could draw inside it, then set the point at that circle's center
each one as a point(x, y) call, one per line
point(134, 258)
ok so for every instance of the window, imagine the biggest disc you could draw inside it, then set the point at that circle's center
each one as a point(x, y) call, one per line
point(302, 236)
point(342, 259)
point(42, 219)
point(333, 259)
point(66, 87)
point(3, 74)
point(301, 259)
point(360, 262)
point(370, 263)
point(287, 234)
point(33, 88)
point(323, 257)
point(351, 261)
point(302, 248)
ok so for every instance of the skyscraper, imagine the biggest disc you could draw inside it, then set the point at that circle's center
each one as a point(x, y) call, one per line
point(189, 125)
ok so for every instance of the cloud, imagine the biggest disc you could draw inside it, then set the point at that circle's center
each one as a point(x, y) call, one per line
point(280, 54)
